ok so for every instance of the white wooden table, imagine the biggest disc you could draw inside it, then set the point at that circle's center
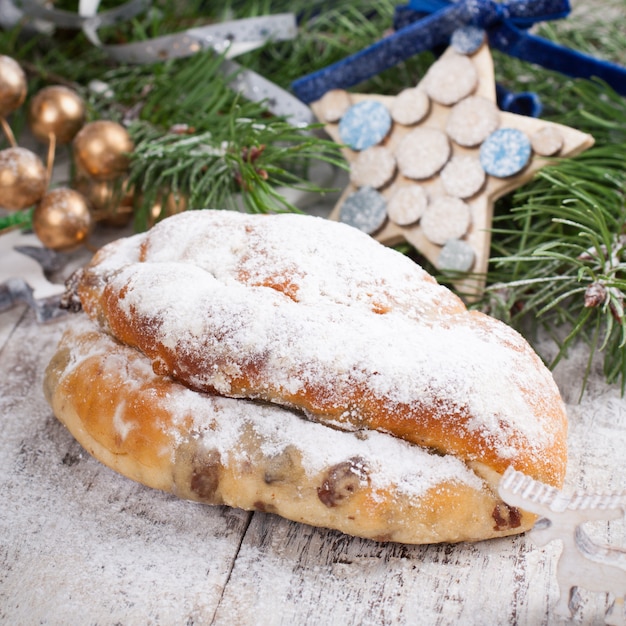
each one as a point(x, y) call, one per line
point(80, 544)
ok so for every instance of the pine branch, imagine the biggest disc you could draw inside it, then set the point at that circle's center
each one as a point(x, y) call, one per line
point(562, 255)
point(200, 140)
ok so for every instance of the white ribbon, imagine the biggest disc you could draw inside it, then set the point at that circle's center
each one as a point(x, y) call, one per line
point(231, 39)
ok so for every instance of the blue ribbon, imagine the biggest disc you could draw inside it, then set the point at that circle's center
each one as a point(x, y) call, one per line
point(428, 24)
point(523, 103)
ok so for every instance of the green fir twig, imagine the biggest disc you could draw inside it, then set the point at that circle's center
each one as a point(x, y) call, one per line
point(562, 256)
point(16, 219)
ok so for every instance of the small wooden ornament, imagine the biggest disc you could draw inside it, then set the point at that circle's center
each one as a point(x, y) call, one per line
point(460, 117)
point(582, 563)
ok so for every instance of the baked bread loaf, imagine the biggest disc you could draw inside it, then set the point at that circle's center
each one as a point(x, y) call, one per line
point(292, 364)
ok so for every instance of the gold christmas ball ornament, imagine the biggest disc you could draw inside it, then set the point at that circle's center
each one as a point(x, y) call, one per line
point(13, 85)
point(62, 220)
point(167, 204)
point(57, 111)
point(23, 178)
point(111, 201)
point(102, 148)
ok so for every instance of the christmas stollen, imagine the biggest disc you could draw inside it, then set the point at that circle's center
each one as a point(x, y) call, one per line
point(292, 364)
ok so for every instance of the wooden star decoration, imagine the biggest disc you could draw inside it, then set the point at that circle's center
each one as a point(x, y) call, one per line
point(427, 165)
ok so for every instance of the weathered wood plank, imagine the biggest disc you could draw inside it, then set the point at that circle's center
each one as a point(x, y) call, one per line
point(8, 321)
point(79, 542)
point(289, 574)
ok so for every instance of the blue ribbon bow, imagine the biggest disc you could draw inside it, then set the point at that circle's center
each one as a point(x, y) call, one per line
point(428, 24)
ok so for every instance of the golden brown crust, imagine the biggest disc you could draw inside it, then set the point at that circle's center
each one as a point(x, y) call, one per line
point(122, 414)
point(433, 425)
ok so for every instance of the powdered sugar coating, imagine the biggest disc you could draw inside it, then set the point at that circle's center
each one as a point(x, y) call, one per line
point(220, 424)
point(321, 260)
point(336, 348)
point(307, 307)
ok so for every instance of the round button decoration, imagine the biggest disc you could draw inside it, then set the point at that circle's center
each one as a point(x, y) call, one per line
point(446, 218)
point(462, 176)
point(410, 106)
point(334, 104)
point(547, 141)
point(364, 124)
point(467, 39)
point(472, 120)
point(505, 152)
point(373, 167)
point(456, 256)
point(365, 209)
point(422, 153)
point(407, 205)
point(450, 79)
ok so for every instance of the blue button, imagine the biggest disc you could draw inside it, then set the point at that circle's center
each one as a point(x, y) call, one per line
point(364, 124)
point(456, 256)
point(505, 152)
point(365, 209)
point(467, 39)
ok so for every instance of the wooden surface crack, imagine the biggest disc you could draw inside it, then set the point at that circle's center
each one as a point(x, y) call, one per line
point(232, 565)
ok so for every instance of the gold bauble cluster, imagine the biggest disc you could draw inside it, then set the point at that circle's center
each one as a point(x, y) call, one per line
point(101, 150)
point(166, 204)
point(63, 218)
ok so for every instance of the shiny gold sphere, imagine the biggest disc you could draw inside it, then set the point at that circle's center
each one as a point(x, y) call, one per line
point(62, 220)
point(13, 85)
point(167, 204)
point(23, 178)
point(102, 148)
point(56, 110)
point(110, 201)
